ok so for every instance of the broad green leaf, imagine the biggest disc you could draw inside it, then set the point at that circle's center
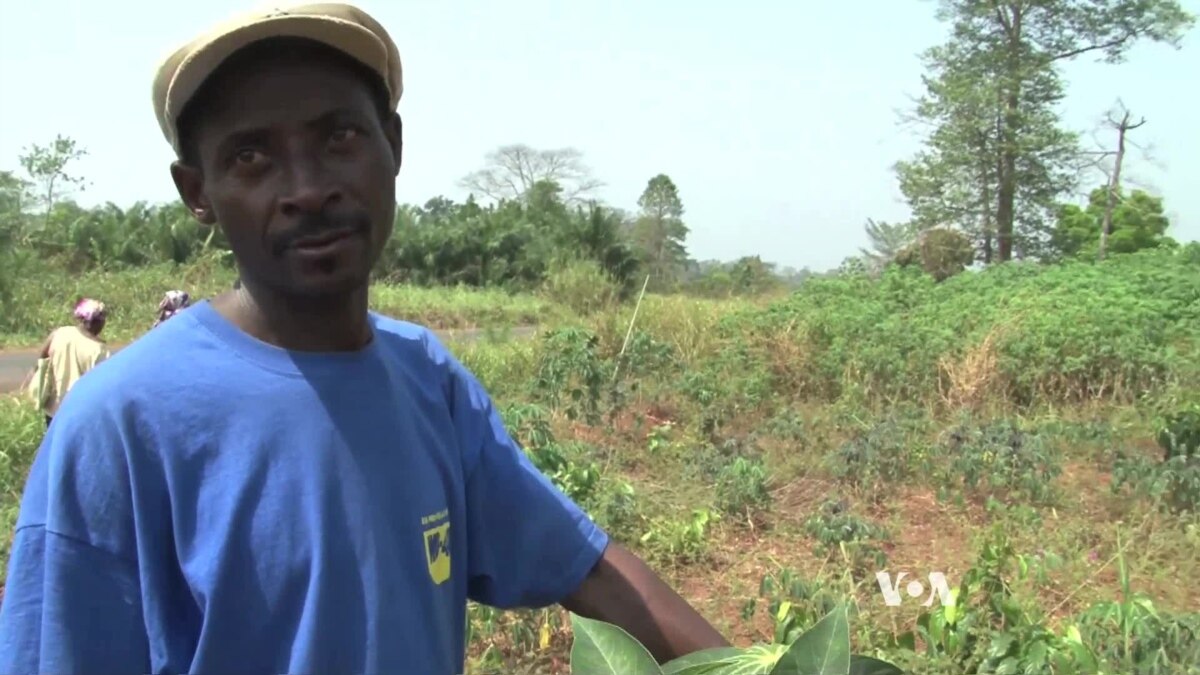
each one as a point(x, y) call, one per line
point(1008, 666)
point(756, 660)
point(823, 649)
point(866, 665)
point(951, 610)
point(601, 648)
point(701, 661)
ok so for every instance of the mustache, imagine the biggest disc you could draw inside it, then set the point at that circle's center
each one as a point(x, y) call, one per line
point(317, 224)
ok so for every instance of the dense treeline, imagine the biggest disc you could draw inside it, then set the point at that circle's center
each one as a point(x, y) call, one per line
point(514, 241)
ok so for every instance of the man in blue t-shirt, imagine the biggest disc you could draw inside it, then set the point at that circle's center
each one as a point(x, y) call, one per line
point(278, 480)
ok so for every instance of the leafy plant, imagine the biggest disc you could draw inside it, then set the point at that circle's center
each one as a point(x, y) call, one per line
point(837, 530)
point(1174, 483)
point(1002, 459)
point(824, 649)
point(742, 487)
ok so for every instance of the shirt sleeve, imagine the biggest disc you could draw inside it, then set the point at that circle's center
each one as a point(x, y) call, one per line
point(529, 545)
point(71, 600)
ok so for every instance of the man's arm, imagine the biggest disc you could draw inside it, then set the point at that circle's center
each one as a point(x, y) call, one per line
point(531, 546)
point(72, 601)
point(624, 591)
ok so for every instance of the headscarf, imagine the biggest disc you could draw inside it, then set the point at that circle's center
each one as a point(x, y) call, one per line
point(172, 303)
point(88, 310)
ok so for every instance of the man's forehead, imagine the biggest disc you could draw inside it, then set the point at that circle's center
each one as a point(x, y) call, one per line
point(287, 94)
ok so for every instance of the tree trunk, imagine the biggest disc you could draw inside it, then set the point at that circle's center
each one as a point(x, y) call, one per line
point(987, 226)
point(1114, 184)
point(1007, 197)
point(1007, 192)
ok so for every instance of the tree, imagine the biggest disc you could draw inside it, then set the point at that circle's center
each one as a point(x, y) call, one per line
point(659, 233)
point(47, 168)
point(956, 179)
point(512, 171)
point(940, 251)
point(1138, 221)
point(886, 240)
point(1123, 125)
point(996, 160)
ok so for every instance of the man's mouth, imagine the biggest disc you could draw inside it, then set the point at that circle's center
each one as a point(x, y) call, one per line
point(322, 240)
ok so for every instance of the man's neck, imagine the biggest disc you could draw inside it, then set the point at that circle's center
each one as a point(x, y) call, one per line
point(326, 325)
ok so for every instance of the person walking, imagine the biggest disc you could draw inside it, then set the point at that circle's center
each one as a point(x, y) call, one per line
point(172, 303)
point(316, 487)
point(70, 352)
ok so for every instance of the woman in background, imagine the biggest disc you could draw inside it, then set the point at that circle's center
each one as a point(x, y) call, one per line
point(172, 303)
point(71, 351)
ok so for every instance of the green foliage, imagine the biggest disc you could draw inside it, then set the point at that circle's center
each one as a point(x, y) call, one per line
point(571, 375)
point(742, 487)
point(887, 240)
point(1174, 482)
point(1023, 334)
point(659, 232)
point(874, 457)
point(996, 159)
point(41, 296)
point(512, 243)
point(746, 276)
point(841, 534)
point(941, 252)
point(21, 429)
point(1002, 460)
point(985, 628)
point(680, 541)
point(1138, 223)
point(582, 286)
point(824, 649)
point(1138, 638)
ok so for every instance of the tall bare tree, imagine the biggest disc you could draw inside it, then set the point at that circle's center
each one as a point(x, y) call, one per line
point(511, 172)
point(1122, 122)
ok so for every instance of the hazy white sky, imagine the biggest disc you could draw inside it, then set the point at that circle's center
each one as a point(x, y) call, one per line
point(776, 120)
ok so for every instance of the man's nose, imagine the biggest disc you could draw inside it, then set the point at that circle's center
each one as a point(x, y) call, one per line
point(310, 187)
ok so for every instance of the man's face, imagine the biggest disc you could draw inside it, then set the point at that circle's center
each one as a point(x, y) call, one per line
point(299, 170)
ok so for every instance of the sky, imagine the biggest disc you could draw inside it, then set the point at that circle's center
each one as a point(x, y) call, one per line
point(778, 121)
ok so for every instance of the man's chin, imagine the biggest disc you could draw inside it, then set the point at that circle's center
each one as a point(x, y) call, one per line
point(332, 285)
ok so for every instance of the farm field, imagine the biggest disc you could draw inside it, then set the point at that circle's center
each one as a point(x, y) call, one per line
point(1009, 429)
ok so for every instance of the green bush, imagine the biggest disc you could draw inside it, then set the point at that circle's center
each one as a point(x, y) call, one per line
point(21, 430)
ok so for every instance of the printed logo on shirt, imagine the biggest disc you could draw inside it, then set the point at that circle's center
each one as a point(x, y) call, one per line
point(437, 545)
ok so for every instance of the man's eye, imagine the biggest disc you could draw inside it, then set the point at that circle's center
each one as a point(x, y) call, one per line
point(247, 156)
point(343, 134)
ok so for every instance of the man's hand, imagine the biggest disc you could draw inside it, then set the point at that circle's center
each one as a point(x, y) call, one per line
point(623, 591)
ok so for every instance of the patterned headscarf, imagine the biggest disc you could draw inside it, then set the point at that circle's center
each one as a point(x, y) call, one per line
point(89, 310)
point(172, 303)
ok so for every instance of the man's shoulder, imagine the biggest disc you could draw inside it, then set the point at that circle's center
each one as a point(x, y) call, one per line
point(140, 370)
point(410, 338)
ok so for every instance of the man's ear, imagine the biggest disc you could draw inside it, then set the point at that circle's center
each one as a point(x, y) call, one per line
point(189, 181)
point(394, 130)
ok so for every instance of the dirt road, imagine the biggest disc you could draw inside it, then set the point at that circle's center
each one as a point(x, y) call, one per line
point(16, 364)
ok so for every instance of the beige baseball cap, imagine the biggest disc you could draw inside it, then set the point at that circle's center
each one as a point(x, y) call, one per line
point(341, 26)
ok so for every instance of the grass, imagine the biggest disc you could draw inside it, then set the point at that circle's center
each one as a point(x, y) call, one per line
point(44, 300)
point(999, 426)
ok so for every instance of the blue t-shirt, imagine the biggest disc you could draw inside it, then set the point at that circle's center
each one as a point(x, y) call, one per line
point(205, 502)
